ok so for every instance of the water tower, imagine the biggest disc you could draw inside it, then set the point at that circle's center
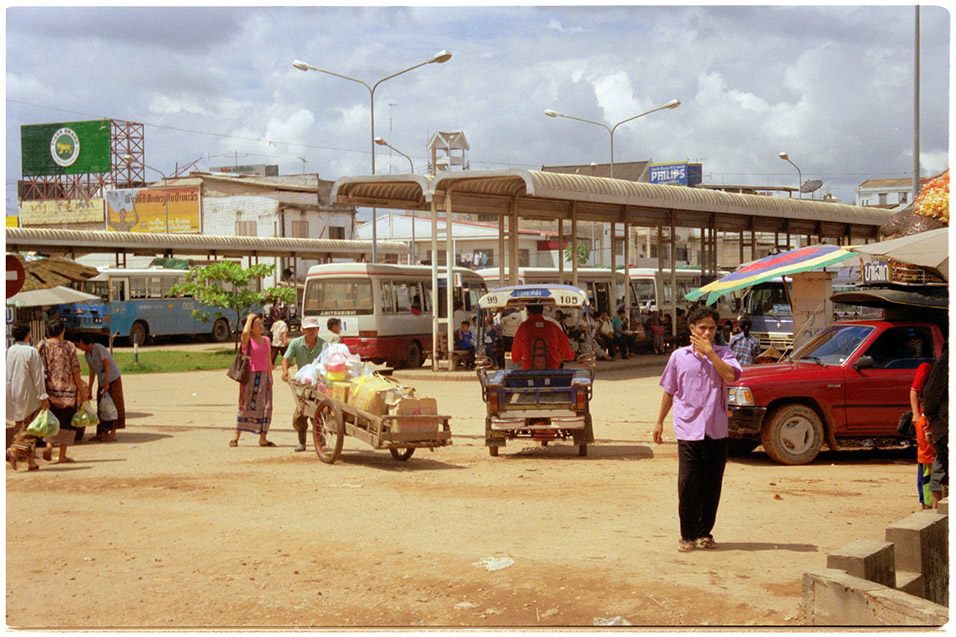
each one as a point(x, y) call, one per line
point(448, 151)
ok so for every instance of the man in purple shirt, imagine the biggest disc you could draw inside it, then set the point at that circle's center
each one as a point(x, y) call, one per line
point(695, 385)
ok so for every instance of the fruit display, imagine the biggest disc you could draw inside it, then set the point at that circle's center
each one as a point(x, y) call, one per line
point(933, 198)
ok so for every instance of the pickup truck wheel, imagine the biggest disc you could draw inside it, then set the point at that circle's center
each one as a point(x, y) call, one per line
point(792, 434)
point(582, 450)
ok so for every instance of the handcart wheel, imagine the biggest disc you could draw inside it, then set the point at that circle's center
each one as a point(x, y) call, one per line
point(328, 432)
point(401, 453)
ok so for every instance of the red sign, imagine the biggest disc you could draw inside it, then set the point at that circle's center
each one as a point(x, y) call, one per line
point(15, 275)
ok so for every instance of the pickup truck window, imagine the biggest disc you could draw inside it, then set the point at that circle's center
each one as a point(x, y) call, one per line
point(833, 345)
point(902, 348)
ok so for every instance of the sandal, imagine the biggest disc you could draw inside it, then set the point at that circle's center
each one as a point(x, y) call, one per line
point(686, 545)
point(706, 543)
point(233, 443)
point(47, 454)
point(267, 443)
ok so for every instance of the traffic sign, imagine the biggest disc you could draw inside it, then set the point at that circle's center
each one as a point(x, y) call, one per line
point(15, 275)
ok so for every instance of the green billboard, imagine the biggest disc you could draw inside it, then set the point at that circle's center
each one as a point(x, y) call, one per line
point(71, 148)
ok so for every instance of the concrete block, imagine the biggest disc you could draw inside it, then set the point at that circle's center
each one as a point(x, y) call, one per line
point(833, 598)
point(909, 583)
point(942, 507)
point(867, 559)
point(921, 545)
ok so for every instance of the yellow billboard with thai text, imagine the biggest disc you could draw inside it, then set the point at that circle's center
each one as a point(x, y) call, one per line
point(45, 213)
point(154, 210)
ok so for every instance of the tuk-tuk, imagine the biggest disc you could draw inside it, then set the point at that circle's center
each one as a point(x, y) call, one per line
point(539, 403)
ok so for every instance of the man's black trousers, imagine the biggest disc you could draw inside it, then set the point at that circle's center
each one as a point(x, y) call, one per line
point(700, 474)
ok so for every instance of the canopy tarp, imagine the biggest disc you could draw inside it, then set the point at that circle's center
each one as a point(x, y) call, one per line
point(49, 272)
point(49, 296)
point(925, 249)
point(772, 267)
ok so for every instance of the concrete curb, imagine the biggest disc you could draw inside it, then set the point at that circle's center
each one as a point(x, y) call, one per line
point(426, 373)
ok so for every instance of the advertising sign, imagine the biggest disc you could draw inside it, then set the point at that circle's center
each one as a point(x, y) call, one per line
point(43, 213)
point(73, 148)
point(876, 271)
point(682, 174)
point(147, 210)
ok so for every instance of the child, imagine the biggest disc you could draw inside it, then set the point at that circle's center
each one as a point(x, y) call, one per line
point(464, 340)
point(658, 330)
point(334, 326)
point(23, 448)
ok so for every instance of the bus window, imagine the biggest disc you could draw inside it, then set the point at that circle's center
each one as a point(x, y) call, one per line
point(405, 294)
point(154, 287)
point(388, 298)
point(118, 290)
point(168, 282)
point(644, 291)
point(329, 294)
point(99, 288)
point(137, 287)
point(601, 296)
point(475, 292)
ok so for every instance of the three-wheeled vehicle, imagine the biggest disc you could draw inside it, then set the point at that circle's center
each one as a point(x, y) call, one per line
point(541, 404)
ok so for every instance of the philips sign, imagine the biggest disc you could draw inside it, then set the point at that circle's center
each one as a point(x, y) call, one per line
point(683, 174)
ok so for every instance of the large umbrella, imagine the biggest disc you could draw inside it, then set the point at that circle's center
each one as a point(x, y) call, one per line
point(771, 267)
point(926, 249)
point(49, 296)
point(50, 272)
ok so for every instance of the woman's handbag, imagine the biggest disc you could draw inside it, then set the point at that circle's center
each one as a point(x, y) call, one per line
point(905, 425)
point(239, 370)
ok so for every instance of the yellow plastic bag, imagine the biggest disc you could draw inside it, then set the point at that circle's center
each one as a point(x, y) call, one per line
point(45, 424)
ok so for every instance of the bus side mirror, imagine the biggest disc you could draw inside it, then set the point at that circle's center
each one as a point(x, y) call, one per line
point(864, 362)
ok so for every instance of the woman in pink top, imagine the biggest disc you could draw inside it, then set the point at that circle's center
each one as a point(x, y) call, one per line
point(255, 396)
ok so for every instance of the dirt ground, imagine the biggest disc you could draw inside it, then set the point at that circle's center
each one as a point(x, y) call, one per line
point(169, 527)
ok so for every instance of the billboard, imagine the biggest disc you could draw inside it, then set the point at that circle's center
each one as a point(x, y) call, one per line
point(682, 174)
point(147, 209)
point(71, 148)
point(44, 213)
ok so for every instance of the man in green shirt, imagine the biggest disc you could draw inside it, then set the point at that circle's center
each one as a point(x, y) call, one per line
point(302, 350)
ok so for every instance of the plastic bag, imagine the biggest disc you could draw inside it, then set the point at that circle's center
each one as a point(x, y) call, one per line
point(107, 410)
point(44, 425)
point(85, 416)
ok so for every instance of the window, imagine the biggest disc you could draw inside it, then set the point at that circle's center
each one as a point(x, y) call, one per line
point(99, 288)
point(524, 258)
point(154, 287)
point(644, 291)
point(619, 247)
point(137, 287)
point(331, 296)
point(407, 295)
point(247, 229)
point(902, 348)
point(118, 289)
point(170, 281)
point(336, 232)
point(299, 229)
point(904, 197)
point(388, 300)
point(882, 198)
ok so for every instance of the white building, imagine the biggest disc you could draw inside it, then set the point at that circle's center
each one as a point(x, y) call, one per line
point(893, 194)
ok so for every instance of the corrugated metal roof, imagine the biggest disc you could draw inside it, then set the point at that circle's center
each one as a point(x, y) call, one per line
point(91, 241)
point(550, 194)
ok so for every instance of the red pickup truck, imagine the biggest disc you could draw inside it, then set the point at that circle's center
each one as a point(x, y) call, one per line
point(851, 382)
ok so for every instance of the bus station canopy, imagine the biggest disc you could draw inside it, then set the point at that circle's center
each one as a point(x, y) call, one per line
point(80, 242)
point(548, 195)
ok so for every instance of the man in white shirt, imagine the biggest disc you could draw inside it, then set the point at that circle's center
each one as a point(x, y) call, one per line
point(26, 389)
point(280, 338)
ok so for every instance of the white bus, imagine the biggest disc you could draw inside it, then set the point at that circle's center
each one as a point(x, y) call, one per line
point(651, 291)
point(386, 310)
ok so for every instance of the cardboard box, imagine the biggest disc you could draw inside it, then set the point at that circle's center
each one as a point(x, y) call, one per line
point(341, 390)
point(413, 406)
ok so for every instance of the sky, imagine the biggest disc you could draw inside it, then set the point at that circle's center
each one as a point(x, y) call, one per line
point(831, 86)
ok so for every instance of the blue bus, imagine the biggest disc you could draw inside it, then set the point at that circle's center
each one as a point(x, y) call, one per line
point(136, 304)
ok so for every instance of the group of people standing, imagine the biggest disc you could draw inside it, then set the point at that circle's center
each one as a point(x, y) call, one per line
point(48, 376)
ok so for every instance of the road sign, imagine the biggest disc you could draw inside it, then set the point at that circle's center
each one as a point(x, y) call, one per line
point(15, 275)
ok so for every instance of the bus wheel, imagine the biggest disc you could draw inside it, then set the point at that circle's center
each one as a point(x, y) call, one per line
point(138, 333)
point(414, 359)
point(220, 331)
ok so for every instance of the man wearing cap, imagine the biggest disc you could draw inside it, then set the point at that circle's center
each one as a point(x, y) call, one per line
point(302, 350)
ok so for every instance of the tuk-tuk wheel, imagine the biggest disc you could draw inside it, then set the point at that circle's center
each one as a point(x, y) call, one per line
point(493, 451)
point(582, 450)
point(401, 453)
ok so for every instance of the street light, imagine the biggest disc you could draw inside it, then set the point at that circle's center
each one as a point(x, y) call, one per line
point(129, 160)
point(439, 58)
point(610, 129)
point(411, 169)
point(784, 157)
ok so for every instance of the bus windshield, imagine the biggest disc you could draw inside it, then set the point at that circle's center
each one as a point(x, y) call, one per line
point(768, 299)
point(335, 296)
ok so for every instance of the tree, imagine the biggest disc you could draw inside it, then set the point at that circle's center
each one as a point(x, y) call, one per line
point(584, 253)
point(225, 285)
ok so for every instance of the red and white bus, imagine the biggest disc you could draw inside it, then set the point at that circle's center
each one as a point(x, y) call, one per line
point(386, 310)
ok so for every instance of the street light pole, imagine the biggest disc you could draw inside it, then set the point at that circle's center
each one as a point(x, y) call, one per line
point(439, 58)
point(129, 160)
point(411, 169)
point(611, 129)
point(786, 158)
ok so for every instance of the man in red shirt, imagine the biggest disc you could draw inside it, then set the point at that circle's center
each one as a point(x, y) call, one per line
point(537, 328)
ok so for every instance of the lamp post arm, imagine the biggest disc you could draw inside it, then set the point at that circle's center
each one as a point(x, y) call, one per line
point(411, 68)
point(653, 110)
point(344, 77)
point(588, 121)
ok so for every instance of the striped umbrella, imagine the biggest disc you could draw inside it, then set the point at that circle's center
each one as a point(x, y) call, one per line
point(773, 266)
